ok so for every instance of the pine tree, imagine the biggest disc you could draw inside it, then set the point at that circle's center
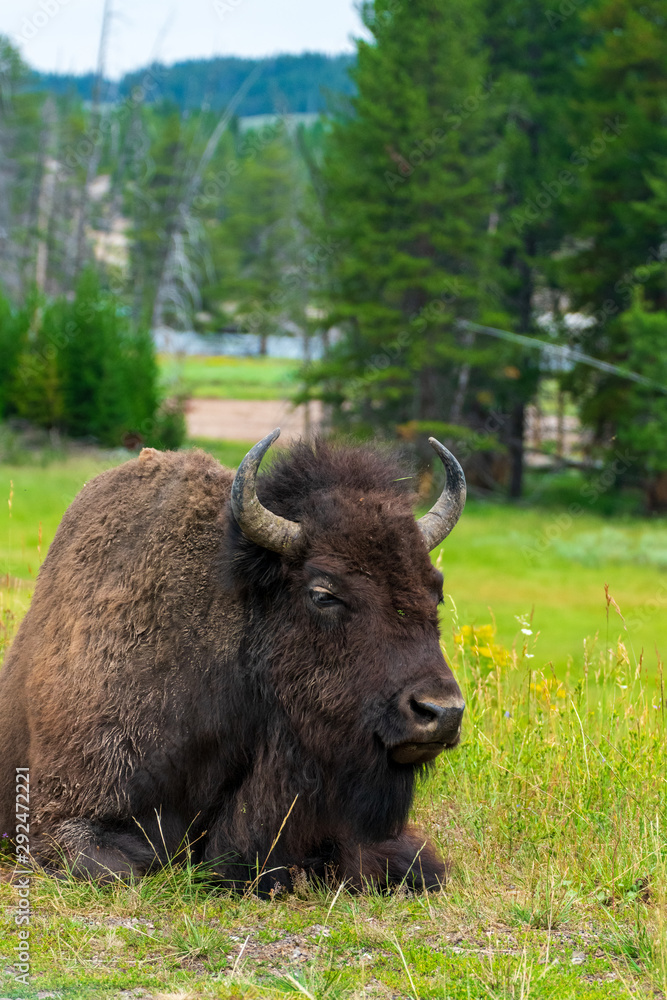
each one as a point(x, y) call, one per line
point(107, 368)
point(407, 183)
point(256, 245)
point(615, 269)
point(533, 58)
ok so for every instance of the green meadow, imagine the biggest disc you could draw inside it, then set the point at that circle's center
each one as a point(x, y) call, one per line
point(223, 377)
point(552, 811)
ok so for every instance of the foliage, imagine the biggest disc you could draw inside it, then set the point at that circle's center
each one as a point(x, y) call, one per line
point(496, 162)
point(189, 221)
point(259, 239)
point(429, 183)
point(551, 199)
point(633, 416)
point(615, 271)
point(533, 69)
point(157, 189)
point(82, 367)
point(13, 326)
point(401, 200)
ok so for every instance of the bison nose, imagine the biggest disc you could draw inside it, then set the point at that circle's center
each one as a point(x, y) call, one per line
point(431, 724)
point(435, 721)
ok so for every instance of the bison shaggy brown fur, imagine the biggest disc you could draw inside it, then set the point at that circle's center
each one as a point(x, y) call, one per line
point(175, 685)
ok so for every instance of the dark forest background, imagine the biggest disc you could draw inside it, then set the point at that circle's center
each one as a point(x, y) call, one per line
point(479, 173)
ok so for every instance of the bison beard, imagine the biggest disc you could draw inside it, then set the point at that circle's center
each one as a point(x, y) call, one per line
point(178, 687)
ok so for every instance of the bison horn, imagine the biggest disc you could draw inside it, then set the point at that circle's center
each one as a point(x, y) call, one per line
point(443, 515)
point(256, 522)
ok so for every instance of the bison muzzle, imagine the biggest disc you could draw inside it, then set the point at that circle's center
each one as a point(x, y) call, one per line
point(245, 668)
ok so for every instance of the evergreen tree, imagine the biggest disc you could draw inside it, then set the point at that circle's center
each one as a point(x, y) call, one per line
point(13, 329)
point(257, 245)
point(20, 172)
point(107, 369)
point(615, 268)
point(407, 183)
point(83, 367)
point(153, 195)
point(532, 58)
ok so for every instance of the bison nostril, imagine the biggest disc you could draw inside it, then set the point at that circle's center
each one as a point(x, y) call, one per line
point(433, 720)
point(426, 711)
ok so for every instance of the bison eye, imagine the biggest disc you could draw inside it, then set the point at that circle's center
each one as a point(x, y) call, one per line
point(323, 598)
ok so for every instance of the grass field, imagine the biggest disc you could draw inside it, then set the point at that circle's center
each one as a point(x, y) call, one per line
point(552, 811)
point(230, 378)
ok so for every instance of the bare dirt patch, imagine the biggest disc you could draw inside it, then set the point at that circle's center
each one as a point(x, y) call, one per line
point(249, 420)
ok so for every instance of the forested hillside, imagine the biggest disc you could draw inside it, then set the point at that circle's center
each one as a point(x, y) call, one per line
point(284, 83)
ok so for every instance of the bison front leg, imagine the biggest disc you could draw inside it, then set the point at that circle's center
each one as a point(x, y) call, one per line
point(87, 849)
point(409, 859)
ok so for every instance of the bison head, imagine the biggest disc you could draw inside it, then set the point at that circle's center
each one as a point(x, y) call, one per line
point(344, 605)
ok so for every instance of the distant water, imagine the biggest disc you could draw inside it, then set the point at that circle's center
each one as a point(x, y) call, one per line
point(239, 345)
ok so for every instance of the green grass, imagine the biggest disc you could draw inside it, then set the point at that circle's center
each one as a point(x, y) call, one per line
point(40, 495)
point(552, 812)
point(551, 568)
point(229, 453)
point(230, 378)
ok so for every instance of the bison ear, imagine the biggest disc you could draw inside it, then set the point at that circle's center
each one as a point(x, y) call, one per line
point(249, 566)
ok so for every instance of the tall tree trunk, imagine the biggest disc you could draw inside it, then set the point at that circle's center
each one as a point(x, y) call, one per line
point(179, 221)
point(96, 152)
point(517, 423)
point(516, 432)
point(429, 408)
point(456, 412)
point(47, 191)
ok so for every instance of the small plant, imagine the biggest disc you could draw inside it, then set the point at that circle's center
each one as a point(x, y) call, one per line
point(6, 849)
point(196, 939)
point(84, 368)
point(549, 904)
point(480, 642)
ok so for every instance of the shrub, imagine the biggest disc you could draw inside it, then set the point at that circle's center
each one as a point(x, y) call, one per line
point(83, 367)
point(13, 329)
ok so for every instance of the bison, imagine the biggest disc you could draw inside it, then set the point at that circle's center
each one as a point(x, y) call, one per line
point(244, 668)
